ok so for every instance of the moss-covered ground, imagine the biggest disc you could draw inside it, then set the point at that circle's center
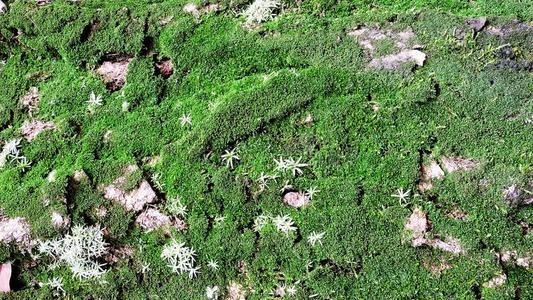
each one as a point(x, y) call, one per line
point(297, 86)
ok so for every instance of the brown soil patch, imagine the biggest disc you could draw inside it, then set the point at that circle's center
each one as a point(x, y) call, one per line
point(427, 173)
point(457, 164)
point(152, 218)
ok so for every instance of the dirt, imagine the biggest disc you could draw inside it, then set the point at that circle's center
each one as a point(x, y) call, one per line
point(510, 28)
point(436, 267)
point(512, 257)
point(119, 253)
point(30, 129)
point(113, 70)
point(165, 68)
point(402, 40)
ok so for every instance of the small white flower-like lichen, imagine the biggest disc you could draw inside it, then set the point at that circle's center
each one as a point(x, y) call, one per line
point(78, 250)
point(212, 292)
point(185, 120)
point(260, 222)
point(402, 196)
point(284, 224)
point(175, 207)
point(10, 150)
point(310, 193)
point(315, 238)
point(229, 157)
point(260, 11)
point(213, 265)
point(180, 258)
point(94, 101)
point(294, 166)
point(56, 283)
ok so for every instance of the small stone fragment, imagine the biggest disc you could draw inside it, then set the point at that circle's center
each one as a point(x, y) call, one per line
point(59, 221)
point(450, 244)
point(393, 61)
point(5, 277)
point(31, 100)
point(428, 172)
point(15, 231)
point(477, 23)
point(31, 129)
point(114, 72)
point(151, 219)
point(3, 7)
point(496, 281)
point(455, 164)
point(236, 291)
point(296, 199)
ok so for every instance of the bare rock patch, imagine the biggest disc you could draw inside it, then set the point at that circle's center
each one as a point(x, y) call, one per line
point(458, 164)
point(15, 231)
point(427, 173)
point(114, 70)
point(406, 50)
point(31, 100)
point(296, 199)
point(133, 200)
point(152, 218)
point(30, 129)
point(417, 228)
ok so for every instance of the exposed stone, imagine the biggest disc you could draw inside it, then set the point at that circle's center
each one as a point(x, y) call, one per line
point(449, 244)
point(417, 225)
point(496, 281)
point(476, 23)
point(31, 100)
point(30, 129)
point(235, 292)
point(165, 67)
point(79, 176)
point(59, 221)
point(3, 7)
point(152, 218)
point(114, 72)
point(369, 37)
point(133, 200)
point(296, 199)
point(15, 231)
point(456, 164)
point(5, 277)
point(394, 61)
point(511, 193)
point(427, 173)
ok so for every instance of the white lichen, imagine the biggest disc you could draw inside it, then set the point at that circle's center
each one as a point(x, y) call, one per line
point(79, 250)
point(260, 11)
